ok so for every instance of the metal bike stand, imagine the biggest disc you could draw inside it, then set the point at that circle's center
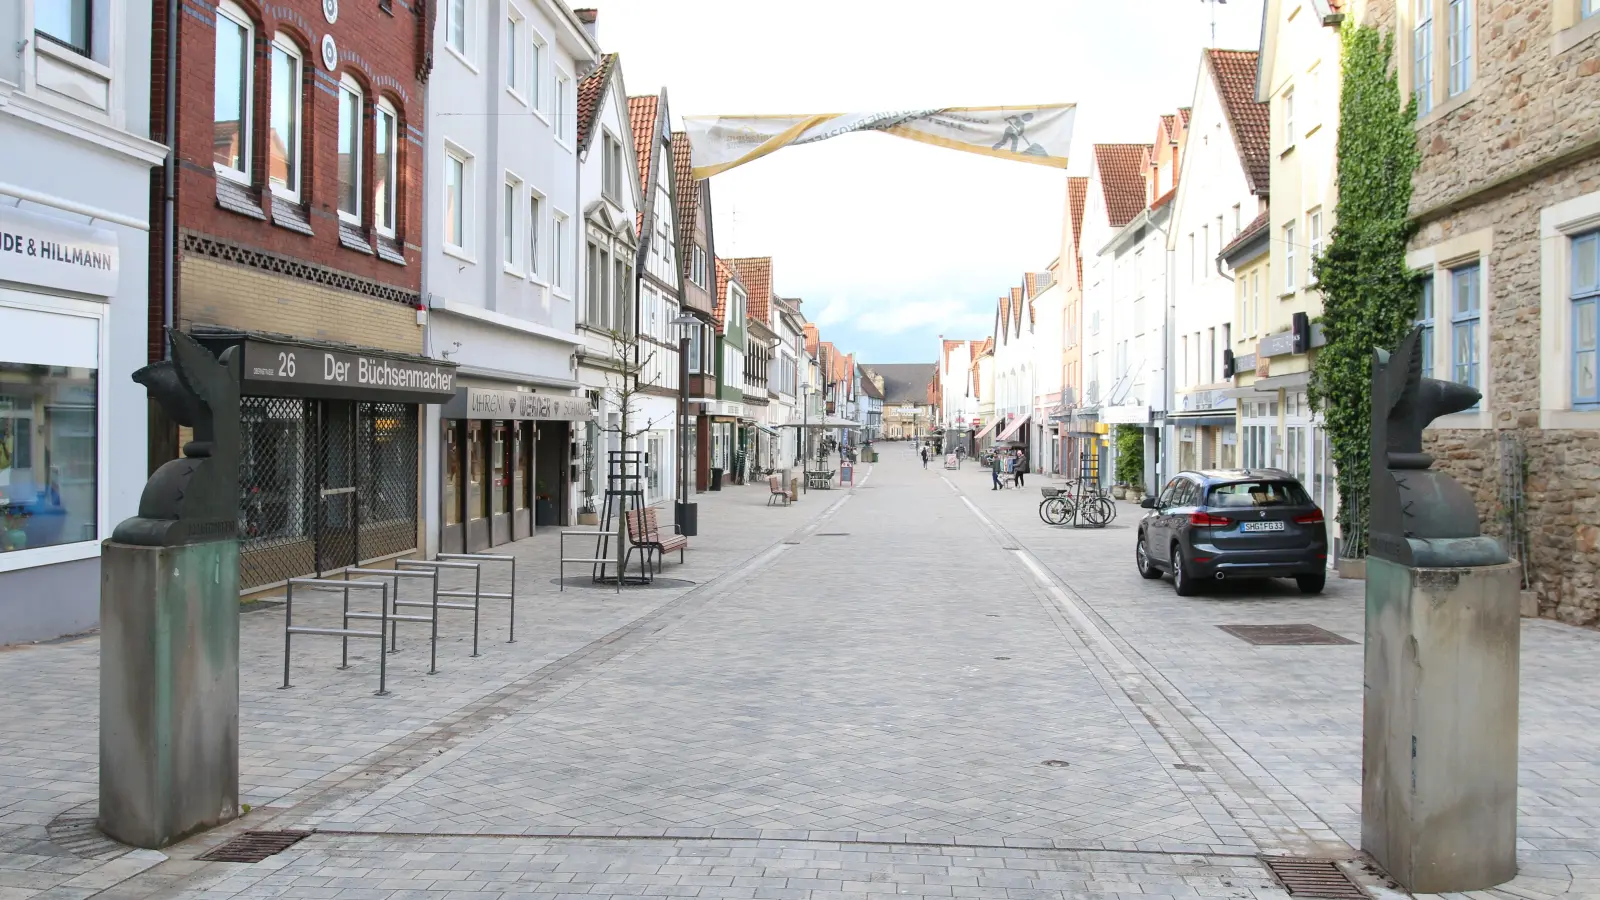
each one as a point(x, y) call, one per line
point(512, 596)
point(475, 593)
point(395, 602)
point(561, 570)
point(345, 633)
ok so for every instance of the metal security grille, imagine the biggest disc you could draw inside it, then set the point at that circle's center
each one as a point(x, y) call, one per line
point(324, 484)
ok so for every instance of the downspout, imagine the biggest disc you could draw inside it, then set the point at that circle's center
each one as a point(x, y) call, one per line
point(169, 228)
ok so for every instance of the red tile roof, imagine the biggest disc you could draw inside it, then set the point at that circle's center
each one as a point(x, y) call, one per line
point(688, 199)
point(1005, 312)
point(1122, 179)
point(755, 273)
point(1183, 113)
point(591, 97)
point(724, 275)
point(1077, 194)
point(812, 338)
point(1169, 126)
point(1235, 74)
point(642, 115)
point(1016, 308)
point(1256, 226)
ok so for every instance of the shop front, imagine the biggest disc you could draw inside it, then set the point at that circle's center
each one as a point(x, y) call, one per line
point(505, 458)
point(330, 450)
point(725, 441)
point(1203, 430)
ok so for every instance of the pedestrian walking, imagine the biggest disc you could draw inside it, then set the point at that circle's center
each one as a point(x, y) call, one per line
point(996, 466)
point(1022, 465)
point(924, 456)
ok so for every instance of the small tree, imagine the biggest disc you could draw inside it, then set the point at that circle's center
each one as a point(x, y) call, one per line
point(1369, 296)
point(1130, 454)
point(631, 359)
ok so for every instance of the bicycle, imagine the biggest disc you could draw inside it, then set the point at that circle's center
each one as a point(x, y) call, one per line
point(1057, 510)
point(1098, 510)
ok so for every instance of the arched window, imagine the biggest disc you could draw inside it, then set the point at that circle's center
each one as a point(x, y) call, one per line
point(283, 127)
point(235, 73)
point(385, 168)
point(350, 111)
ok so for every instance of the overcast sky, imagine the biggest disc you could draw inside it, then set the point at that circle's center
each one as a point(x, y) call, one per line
point(890, 242)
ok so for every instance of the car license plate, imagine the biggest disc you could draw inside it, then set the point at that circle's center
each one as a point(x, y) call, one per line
point(1261, 526)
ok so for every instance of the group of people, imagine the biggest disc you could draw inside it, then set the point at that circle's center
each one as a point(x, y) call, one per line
point(1013, 463)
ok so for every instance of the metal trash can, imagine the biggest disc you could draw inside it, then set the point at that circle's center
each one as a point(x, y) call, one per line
point(716, 479)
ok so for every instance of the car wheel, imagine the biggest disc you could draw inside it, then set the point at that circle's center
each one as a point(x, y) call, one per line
point(1311, 584)
point(1141, 555)
point(1182, 584)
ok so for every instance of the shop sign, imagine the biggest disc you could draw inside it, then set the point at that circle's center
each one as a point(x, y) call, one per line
point(1125, 415)
point(55, 253)
point(1206, 400)
point(495, 403)
point(350, 372)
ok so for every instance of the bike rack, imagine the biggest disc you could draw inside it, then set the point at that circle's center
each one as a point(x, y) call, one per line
point(561, 571)
point(475, 593)
point(395, 602)
point(345, 633)
point(512, 596)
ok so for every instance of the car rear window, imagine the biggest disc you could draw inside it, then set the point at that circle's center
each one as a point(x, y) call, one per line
point(1256, 494)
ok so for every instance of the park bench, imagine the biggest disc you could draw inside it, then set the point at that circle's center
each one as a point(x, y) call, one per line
point(644, 532)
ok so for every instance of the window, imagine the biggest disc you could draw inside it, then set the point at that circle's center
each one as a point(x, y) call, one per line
point(1211, 356)
point(350, 152)
point(599, 268)
point(49, 459)
point(455, 195)
point(1221, 241)
point(385, 168)
point(1236, 222)
point(535, 227)
point(513, 51)
point(1288, 118)
point(455, 25)
point(508, 221)
point(283, 137)
point(65, 22)
point(1314, 232)
point(1194, 261)
point(695, 350)
point(1589, 8)
point(536, 90)
point(1585, 295)
point(1460, 46)
point(622, 290)
point(1465, 317)
point(231, 93)
point(697, 266)
point(613, 168)
point(1425, 320)
point(1288, 257)
point(1422, 56)
point(1205, 244)
point(558, 251)
point(564, 114)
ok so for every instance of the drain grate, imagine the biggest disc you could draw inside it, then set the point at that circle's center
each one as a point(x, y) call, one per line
point(1284, 635)
point(1313, 878)
point(1056, 763)
point(255, 846)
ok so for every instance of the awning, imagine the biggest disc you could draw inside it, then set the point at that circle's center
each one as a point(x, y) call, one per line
point(1014, 427)
point(1180, 421)
point(825, 422)
point(762, 427)
point(986, 429)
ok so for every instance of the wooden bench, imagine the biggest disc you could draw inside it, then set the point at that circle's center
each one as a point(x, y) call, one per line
point(644, 532)
point(777, 489)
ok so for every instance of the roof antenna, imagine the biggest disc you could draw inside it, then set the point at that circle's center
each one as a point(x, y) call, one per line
point(1213, 5)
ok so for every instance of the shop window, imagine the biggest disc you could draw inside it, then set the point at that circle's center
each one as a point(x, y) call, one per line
point(48, 455)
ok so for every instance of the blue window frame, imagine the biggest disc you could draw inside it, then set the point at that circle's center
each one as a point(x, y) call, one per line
point(1585, 296)
point(1466, 317)
point(1425, 319)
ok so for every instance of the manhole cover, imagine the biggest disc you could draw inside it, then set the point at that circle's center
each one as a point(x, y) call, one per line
point(584, 581)
point(1055, 763)
point(255, 846)
point(1313, 878)
point(1284, 635)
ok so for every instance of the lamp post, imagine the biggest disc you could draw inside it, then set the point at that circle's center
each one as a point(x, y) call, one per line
point(687, 515)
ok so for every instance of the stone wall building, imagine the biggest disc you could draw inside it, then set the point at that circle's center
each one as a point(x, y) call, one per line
point(1507, 200)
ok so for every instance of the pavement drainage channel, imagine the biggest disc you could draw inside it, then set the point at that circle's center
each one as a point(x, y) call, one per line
point(584, 581)
point(1313, 878)
point(255, 846)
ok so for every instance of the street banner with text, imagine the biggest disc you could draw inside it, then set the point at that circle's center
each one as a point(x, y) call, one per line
point(1034, 134)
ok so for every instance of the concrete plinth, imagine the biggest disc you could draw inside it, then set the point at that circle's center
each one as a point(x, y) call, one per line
point(1439, 786)
point(169, 690)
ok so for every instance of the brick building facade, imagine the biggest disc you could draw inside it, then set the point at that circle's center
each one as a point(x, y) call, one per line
point(295, 219)
point(1507, 201)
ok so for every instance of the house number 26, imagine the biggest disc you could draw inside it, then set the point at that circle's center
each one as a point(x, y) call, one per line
point(285, 365)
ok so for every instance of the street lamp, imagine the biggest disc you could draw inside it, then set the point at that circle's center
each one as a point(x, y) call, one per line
point(687, 516)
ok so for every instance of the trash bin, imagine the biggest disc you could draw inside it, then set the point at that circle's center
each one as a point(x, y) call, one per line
point(716, 479)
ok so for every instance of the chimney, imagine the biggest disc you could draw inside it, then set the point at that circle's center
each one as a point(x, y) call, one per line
point(588, 17)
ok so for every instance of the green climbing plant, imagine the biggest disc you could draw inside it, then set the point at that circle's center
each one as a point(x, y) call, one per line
point(1130, 454)
point(1369, 295)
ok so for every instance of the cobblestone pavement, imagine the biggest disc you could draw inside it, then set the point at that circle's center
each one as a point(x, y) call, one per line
point(910, 688)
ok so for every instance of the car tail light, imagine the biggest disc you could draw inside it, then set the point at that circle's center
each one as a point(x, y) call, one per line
point(1312, 518)
point(1207, 520)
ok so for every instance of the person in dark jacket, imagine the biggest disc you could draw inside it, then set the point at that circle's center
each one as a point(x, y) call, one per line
point(1022, 465)
point(924, 456)
point(997, 464)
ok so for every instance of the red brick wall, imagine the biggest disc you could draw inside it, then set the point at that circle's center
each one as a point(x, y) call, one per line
point(387, 53)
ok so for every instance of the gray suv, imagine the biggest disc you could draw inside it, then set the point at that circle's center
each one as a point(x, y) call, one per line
point(1233, 523)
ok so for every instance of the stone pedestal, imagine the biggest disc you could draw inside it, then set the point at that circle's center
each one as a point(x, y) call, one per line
point(169, 690)
point(1439, 786)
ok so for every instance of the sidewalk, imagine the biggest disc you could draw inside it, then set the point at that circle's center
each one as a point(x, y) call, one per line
point(328, 732)
point(1290, 717)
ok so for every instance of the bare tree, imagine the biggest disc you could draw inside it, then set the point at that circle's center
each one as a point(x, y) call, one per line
point(631, 361)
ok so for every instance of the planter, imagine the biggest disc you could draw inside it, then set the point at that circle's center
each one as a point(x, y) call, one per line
point(1351, 568)
point(588, 518)
point(1118, 491)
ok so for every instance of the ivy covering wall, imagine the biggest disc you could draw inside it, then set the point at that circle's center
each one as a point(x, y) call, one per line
point(1369, 295)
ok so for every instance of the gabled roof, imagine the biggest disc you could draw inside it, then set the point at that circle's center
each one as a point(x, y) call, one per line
point(906, 382)
point(1016, 310)
point(591, 98)
point(1169, 126)
point(642, 116)
point(1077, 193)
point(755, 273)
point(724, 276)
point(1122, 179)
point(1183, 113)
point(688, 197)
point(1234, 72)
point(868, 386)
point(1003, 326)
point(812, 338)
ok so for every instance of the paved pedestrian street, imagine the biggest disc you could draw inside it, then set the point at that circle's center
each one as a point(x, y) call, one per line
point(912, 687)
